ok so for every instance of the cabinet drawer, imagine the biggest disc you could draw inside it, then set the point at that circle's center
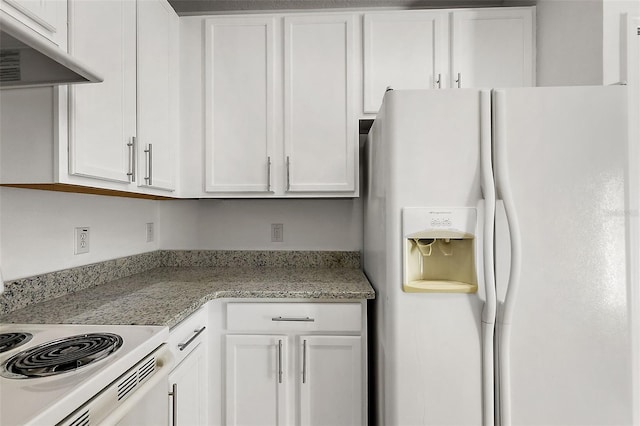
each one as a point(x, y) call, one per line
point(294, 317)
point(186, 336)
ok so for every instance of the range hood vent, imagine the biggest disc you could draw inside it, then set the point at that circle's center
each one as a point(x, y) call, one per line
point(29, 60)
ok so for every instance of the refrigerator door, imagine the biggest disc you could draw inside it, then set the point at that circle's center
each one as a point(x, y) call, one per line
point(564, 342)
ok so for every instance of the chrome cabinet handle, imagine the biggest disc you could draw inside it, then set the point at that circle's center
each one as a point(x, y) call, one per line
point(183, 346)
point(132, 159)
point(269, 174)
point(149, 152)
point(174, 404)
point(279, 361)
point(288, 174)
point(439, 81)
point(304, 361)
point(459, 80)
point(299, 319)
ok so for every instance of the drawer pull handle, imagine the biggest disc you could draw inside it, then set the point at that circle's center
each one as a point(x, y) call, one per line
point(298, 319)
point(183, 346)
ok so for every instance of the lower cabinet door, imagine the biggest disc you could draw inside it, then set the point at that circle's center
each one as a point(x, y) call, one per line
point(331, 386)
point(187, 390)
point(256, 380)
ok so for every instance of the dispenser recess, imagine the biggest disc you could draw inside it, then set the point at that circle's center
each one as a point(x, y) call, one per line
point(439, 250)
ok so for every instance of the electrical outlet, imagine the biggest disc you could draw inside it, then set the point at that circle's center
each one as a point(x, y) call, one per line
point(81, 241)
point(150, 234)
point(277, 230)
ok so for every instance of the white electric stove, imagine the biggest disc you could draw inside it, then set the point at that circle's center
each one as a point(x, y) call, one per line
point(82, 374)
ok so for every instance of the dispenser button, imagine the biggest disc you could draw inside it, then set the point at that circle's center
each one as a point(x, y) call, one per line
point(441, 222)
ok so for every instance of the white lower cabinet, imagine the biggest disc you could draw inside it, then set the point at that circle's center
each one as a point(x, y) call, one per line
point(257, 380)
point(189, 379)
point(330, 389)
point(294, 368)
point(187, 405)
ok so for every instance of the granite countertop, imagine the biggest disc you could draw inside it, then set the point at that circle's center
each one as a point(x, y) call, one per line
point(167, 295)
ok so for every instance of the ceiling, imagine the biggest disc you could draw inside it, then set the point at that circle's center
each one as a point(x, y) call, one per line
point(202, 7)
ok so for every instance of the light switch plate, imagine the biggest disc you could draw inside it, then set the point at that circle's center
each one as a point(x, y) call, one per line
point(277, 230)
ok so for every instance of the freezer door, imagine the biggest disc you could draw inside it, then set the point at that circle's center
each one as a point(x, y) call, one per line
point(564, 338)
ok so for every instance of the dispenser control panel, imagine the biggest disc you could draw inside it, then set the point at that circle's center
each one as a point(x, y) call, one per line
point(441, 222)
point(439, 247)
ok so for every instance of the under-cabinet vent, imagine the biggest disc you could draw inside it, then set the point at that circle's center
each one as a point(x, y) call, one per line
point(127, 385)
point(9, 65)
point(81, 420)
point(146, 369)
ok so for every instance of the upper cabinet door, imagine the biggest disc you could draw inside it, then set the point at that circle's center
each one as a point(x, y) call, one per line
point(46, 17)
point(157, 94)
point(102, 117)
point(239, 104)
point(320, 134)
point(404, 50)
point(492, 48)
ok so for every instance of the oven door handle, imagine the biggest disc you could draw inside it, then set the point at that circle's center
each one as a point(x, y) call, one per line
point(164, 362)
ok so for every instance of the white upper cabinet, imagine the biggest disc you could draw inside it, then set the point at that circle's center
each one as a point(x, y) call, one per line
point(279, 114)
point(102, 121)
point(125, 129)
point(492, 47)
point(239, 104)
point(46, 17)
point(320, 125)
point(485, 47)
point(157, 72)
point(404, 50)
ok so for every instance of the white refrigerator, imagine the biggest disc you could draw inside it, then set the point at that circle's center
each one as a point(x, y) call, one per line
point(500, 236)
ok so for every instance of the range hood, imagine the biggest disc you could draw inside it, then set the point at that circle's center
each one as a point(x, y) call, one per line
point(29, 60)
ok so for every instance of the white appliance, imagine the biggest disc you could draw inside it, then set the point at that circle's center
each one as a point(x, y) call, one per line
point(127, 386)
point(537, 328)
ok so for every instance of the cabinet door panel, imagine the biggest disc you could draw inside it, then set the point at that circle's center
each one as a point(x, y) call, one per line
point(493, 48)
point(47, 17)
point(191, 396)
point(255, 391)
point(320, 137)
point(404, 50)
point(239, 104)
point(157, 96)
point(103, 116)
point(331, 389)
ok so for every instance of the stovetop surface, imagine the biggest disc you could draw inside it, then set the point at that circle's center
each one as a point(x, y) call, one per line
point(49, 399)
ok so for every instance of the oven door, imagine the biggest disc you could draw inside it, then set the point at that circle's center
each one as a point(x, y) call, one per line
point(138, 397)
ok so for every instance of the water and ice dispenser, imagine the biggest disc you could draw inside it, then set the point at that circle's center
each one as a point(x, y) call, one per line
point(439, 250)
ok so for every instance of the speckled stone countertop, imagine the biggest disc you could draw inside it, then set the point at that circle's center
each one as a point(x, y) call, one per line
point(167, 295)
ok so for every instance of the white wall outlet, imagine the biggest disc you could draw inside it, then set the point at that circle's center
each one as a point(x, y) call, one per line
point(277, 230)
point(150, 232)
point(81, 242)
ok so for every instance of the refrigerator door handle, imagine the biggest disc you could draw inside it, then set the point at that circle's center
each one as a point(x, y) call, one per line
point(503, 189)
point(489, 310)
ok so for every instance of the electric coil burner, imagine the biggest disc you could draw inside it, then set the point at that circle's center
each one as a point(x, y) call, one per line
point(60, 356)
point(10, 341)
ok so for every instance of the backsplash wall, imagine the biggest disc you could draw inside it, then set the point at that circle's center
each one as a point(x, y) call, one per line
point(309, 224)
point(37, 229)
